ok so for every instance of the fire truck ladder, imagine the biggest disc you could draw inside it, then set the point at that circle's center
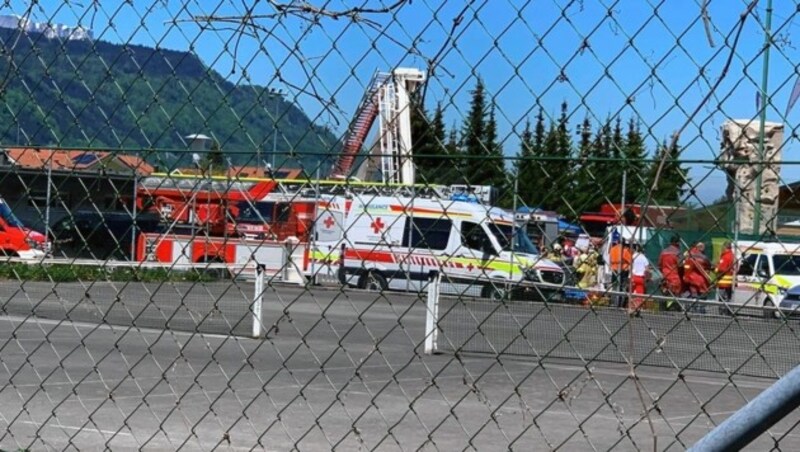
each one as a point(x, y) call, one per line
point(395, 137)
point(357, 132)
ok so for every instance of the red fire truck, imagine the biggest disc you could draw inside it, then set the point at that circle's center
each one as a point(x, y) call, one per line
point(595, 223)
point(220, 220)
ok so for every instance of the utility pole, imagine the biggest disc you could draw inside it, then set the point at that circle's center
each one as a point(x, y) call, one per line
point(763, 116)
point(276, 95)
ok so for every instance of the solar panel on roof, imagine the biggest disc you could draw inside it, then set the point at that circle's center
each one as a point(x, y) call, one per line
point(85, 159)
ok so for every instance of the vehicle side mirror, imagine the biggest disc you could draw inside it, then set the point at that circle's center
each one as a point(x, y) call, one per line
point(487, 247)
point(763, 273)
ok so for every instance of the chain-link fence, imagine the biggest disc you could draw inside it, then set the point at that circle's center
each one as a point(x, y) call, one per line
point(395, 225)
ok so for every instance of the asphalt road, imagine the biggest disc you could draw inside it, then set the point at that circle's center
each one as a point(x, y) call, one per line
point(338, 370)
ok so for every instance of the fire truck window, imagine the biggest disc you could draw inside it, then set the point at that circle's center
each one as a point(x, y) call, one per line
point(258, 212)
point(473, 236)
point(427, 233)
point(283, 212)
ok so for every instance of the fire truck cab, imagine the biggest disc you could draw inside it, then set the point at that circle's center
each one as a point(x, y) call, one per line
point(273, 219)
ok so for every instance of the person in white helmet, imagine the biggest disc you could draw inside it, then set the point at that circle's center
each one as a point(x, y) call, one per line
point(640, 273)
point(556, 254)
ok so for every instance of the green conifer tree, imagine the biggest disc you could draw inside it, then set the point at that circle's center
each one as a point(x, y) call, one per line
point(674, 177)
point(473, 137)
point(636, 167)
point(584, 186)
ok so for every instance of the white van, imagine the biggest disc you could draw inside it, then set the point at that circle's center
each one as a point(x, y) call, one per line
point(765, 272)
point(396, 242)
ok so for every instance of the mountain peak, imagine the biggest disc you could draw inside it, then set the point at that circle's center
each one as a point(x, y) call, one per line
point(49, 30)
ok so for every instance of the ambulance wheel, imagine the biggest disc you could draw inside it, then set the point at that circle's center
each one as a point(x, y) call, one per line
point(770, 313)
point(495, 291)
point(373, 281)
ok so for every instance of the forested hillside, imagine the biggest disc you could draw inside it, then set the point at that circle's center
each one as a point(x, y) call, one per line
point(103, 95)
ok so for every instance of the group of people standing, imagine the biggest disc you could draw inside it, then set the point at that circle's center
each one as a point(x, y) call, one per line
point(689, 274)
point(584, 261)
point(630, 269)
point(685, 274)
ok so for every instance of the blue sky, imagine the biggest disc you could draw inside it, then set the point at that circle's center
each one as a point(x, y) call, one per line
point(642, 59)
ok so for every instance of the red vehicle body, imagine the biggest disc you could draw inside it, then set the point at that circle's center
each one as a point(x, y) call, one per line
point(198, 204)
point(274, 219)
point(595, 223)
point(16, 239)
point(219, 220)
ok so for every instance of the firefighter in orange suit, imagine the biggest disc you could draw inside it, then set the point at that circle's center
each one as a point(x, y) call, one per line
point(724, 271)
point(669, 263)
point(695, 271)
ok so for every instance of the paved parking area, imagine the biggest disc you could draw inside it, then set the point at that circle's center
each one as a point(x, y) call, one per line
point(338, 371)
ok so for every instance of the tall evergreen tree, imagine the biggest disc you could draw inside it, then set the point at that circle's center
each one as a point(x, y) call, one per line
point(420, 136)
point(584, 187)
point(634, 153)
point(673, 178)
point(530, 175)
point(455, 163)
point(552, 169)
point(473, 136)
point(615, 167)
point(494, 164)
point(600, 178)
point(523, 166)
point(564, 167)
point(428, 138)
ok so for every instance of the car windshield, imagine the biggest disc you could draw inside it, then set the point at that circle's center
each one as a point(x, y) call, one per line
point(786, 264)
point(9, 216)
point(256, 212)
point(504, 234)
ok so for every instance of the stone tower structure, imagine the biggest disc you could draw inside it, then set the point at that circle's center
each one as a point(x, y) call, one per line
point(739, 157)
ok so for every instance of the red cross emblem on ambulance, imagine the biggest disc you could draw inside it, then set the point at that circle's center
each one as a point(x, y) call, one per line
point(377, 225)
point(328, 222)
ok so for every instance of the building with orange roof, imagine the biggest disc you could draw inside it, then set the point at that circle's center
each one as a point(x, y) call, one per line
point(79, 180)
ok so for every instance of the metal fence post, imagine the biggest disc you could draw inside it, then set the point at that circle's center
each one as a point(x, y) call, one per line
point(432, 313)
point(258, 298)
point(756, 417)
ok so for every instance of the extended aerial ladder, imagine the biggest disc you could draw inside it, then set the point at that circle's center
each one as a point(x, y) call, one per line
point(388, 98)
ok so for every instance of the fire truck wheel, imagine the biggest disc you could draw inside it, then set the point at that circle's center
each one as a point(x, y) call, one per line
point(214, 273)
point(373, 281)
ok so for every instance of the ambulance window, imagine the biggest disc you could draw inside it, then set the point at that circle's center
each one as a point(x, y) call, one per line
point(786, 264)
point(473, 236)
point(427, 233)
point(747, 265)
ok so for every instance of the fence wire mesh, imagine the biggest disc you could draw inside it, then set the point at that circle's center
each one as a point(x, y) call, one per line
point(395, 225)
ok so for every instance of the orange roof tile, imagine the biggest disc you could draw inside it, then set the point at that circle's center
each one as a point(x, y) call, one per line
point(37, 158)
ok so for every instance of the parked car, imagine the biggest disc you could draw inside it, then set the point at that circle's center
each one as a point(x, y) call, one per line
point(16, 239)
point(94, 235)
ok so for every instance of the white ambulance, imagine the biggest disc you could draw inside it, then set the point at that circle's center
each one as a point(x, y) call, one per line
point(765, 272)
point(396, 242)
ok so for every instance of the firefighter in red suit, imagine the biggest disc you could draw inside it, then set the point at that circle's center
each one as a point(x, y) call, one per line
point(669, 264)
point(695, 271)
point(724, 273)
